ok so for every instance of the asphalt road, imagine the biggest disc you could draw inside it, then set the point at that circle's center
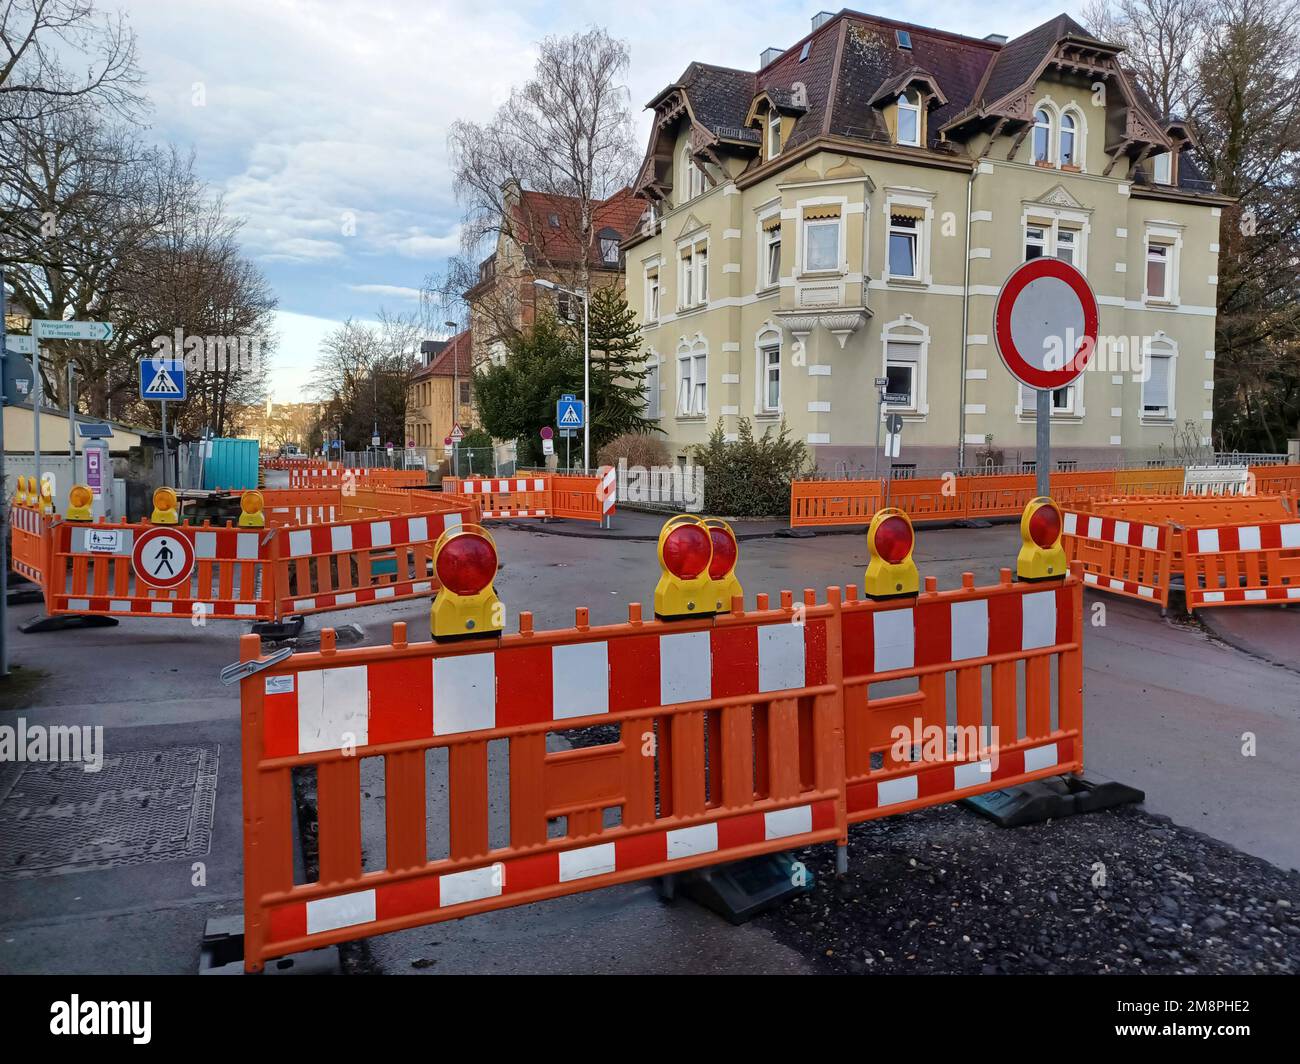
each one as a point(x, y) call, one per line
point(1167, 707)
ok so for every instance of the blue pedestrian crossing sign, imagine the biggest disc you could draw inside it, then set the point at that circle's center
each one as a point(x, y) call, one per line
point(570, 413)
point(162, 379)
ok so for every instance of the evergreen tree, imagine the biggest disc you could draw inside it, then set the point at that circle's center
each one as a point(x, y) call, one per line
point(617, 369)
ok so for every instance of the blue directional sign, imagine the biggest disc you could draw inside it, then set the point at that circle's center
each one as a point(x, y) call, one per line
point(162, 379)
point(570, 413)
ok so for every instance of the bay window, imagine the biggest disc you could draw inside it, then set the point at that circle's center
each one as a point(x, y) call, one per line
point(821, 238)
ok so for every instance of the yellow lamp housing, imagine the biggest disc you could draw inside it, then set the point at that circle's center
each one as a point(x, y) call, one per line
point(1041, 555)
point(80, 500)
point(685, 588)
point(466, 606)
point(724, 585)
point(164, 507)
point(46, 501)
point(250, 510)
point(20, 492)
point(891, 572)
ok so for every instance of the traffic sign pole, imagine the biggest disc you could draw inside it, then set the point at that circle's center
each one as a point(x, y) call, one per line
point(4, 511)
point(1043, 443)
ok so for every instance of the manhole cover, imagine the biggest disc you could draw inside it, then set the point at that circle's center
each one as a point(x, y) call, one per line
point(142, 806)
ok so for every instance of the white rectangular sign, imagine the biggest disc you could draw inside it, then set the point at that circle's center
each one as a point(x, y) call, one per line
point(48, 329)
point(20, 345)
point(103, 540)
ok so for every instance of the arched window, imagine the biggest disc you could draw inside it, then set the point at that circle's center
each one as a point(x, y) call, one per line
point(909, 118)
point(1042, 136)
point(767, 351)
point(693, 377)
point(1069, 127)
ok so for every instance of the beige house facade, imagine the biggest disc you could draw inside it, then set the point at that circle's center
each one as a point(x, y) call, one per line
point(849, 213)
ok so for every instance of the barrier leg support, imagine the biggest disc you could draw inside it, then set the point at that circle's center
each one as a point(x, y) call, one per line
point(62, 621)
point(1051, 799)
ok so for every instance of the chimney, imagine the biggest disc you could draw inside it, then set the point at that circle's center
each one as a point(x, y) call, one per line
point(997, 38)
point(770, 55)
point(820, 19)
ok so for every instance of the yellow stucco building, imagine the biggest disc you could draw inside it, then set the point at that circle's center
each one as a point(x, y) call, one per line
point(850, 211)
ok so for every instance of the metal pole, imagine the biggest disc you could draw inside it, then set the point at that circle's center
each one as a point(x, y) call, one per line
point(586, 381)
point(166, 477)
point(1043, 441)
point(72, 431)
point(4, 508)
point(37, 400)
point(880, 401)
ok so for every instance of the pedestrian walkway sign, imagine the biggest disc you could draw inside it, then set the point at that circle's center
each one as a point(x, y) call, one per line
point(162, 379)
point(570, 413)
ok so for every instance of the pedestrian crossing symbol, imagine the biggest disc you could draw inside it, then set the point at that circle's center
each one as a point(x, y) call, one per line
point(570, 413)
point(162, 379)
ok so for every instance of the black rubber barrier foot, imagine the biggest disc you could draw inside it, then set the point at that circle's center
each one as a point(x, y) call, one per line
point(23, 596)
point(279, 631)
point(344, 635)
point(63, 621)
point(740, 891)
point(1051, 799)
point(222, 953)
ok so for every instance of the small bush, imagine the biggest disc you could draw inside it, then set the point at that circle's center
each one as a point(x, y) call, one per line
point(751, 477)
point(637, 448)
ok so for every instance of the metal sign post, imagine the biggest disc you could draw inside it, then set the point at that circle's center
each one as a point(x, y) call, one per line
point(881, 384)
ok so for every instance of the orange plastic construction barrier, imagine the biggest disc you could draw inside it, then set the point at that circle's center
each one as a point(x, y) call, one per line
point(338, 476)
point(740, 734)
point(1242, 565)
point(581, 497)
point(319, 550)
point(852, 502)
point(1124, 556)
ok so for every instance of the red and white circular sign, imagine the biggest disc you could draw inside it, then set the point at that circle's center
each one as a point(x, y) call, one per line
point(1045, 323)
point(162, 558)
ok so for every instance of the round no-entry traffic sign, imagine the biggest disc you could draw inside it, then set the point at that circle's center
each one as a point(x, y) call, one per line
point(1045, 323)
point(162, 558)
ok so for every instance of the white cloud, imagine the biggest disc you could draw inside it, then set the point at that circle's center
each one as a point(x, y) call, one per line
point(396, 291)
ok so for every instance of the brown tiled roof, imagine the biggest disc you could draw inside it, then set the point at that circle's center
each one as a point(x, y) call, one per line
point(852, 57)
point(549, 224)
point(453, 359)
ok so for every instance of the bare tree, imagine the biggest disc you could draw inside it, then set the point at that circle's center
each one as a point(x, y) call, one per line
point(1162, 40)
point(37, 35)
point(567, 132)
point(362, 376)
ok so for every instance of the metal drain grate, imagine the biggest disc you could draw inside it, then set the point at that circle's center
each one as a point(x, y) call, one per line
point(142, 806)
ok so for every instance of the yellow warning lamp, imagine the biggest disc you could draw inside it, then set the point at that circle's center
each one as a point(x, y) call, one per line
point(891, 572)
point(20, 493)
point(79, 503)
point(46, 501)
point(1041, 555)
point(164, 507)
point(465, 561)
point(722, 567)
point(685, 587)
point(250, 510)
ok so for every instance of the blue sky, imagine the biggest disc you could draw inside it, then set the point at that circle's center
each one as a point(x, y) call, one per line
point(323, 122)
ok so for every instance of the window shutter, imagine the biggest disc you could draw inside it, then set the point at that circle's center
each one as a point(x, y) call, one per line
point(899, 210)
point(1156, 390)
point(686, 251)
point(652, 274)
point(772, 223)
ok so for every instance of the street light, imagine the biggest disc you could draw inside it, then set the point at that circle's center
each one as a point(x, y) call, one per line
point(541, 282)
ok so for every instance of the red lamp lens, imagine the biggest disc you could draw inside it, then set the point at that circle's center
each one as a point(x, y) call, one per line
point(893, 539)
point(466, 564)
point(1045, 526)
point(724, 553)
point(686, 551)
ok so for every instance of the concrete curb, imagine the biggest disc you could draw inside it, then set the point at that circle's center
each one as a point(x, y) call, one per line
point(1208, 618)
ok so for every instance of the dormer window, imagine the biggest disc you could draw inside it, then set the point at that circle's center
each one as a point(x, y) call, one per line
point(1042, 136)
point(609, 250)
point(692, 175)
point(909, 118)
point(1162, 168)
point(773, 134)
point(554, 220)
point(1068, 140)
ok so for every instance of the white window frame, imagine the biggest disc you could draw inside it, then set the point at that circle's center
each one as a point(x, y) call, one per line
point(1049, 135)
point(650, 386)
point(1162, 161)
point(838, 225)
point(768, 237)
point(1052, 220)
point(1169, 236)
point(1080, 133)
point(693, 378)
point(692, 274)
point(773, 134)
point(913, 340)
point(767, 339)
point(1160, 346)
point(692, 175)
point(654, 289)
point(914, 198)
point(904, 103)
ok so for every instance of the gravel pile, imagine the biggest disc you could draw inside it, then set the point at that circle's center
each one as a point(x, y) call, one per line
point(946, 891)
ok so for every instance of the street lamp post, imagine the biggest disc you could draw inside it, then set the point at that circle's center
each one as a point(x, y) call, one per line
point(455, 401)
point(541, 282)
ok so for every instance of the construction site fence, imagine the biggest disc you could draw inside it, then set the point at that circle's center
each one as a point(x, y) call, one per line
point(815, 503)
point(581, 497)
point(321, 550)
point(755, 731)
